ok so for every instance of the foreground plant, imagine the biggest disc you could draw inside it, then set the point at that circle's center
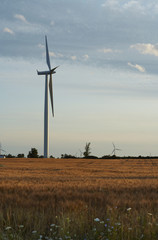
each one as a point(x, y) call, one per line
point(127, 225)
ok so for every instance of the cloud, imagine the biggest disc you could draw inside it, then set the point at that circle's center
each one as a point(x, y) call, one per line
point(20, 17)
point(109, 50)
point(73, 58)
point(8, 30)
point(106, 50)
point(85, 57)
point(129, 5)
point(52, 23)
point(146, 48)
point(60, 55)
point(136, 66)
point(41, 46)
point(134, 5)
point(112, 4)
point(52, 54)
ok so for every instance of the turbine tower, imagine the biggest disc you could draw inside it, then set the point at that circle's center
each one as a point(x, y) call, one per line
point(46, 104)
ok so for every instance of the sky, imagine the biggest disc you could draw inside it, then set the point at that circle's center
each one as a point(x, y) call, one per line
point(106, 88)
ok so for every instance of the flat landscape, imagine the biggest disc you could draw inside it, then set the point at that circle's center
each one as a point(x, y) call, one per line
point(118, 195)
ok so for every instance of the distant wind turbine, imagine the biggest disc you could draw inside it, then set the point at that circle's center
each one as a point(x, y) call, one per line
point(46, 105)
point(115, 149)
point(1, 150)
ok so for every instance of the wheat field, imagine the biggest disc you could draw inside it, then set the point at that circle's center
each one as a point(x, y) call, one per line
point(38, 192)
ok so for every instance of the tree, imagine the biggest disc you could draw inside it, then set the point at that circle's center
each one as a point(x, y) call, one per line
point(10, 156)
point(20, 155)
point(87, 152)
point(33, 153)
point(67, 156)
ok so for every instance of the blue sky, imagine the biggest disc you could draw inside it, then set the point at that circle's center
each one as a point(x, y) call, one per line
point(106, 88)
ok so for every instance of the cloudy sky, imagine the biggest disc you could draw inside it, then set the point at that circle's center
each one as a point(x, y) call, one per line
point(106, 88)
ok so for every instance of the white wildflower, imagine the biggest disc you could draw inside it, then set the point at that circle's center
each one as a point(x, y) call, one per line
point(52, 225)
point(129, 209)
point(21, 226)
point(7, 228)
point(97, 220)
point(33, 232)
point(118, 224)
point(67, 237)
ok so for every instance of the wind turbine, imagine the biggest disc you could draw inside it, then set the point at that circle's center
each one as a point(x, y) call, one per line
point(46, 104)
point(1, 150)
point(115, 149)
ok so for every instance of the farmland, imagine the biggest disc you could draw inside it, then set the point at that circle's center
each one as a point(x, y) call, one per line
point(84, 198)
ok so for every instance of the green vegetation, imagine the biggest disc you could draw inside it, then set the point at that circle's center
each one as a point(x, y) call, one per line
point(117, 224)
point(67, 156)
point(87, 152)
point(33, 153)
point(20, 155)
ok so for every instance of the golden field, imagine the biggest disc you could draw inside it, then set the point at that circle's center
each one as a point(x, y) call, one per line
point(35, 192)
point(32, 181)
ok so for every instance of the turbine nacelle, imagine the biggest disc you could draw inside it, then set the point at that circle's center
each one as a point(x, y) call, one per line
point(45, 72)
point(52, 71)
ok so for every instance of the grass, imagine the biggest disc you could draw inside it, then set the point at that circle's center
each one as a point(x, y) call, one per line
point(79, 199)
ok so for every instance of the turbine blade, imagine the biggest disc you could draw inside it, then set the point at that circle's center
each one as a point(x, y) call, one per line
point(51, 93)
point(112, 152)
point(47, 54)
point(54, 68)
point(2, 150)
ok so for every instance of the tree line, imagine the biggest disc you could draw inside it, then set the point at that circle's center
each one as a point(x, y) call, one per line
point(33, 153)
